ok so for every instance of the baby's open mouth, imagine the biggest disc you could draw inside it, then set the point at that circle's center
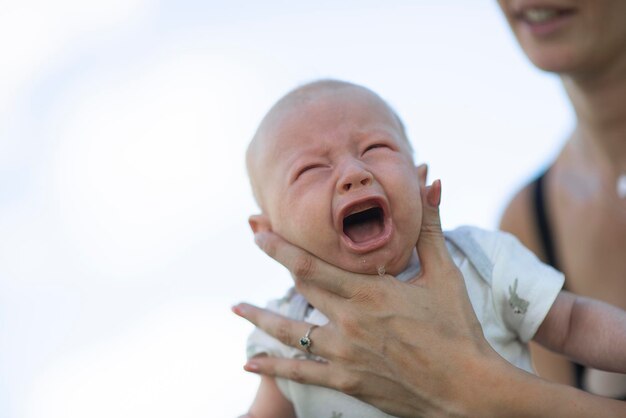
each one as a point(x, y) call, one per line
point(364, 223)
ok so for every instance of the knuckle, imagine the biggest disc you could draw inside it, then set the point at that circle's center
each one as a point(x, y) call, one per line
point(370, 295)
point(345, 352)
point(295, 373)
point(431, 227)
point(303, 267)
point(349, 325)
point(283, 332)
point(348, 384)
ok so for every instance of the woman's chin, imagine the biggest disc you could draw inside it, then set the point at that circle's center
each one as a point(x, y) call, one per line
point(555, 60)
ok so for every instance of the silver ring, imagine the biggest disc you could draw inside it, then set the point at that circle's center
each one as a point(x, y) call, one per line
point(306, 342)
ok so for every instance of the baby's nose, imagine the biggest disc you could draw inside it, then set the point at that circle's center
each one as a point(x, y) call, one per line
point(354, 177)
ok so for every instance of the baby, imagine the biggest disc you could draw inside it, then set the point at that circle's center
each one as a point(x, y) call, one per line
point(332, 171)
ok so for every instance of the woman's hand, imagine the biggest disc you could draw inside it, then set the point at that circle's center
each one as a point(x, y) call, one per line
point(410, 349)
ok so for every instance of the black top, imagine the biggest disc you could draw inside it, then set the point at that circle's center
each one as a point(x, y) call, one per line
point(547, 241)
point(543, 224)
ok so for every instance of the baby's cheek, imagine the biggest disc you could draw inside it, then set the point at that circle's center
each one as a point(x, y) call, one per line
point(412, 222)
point(306, 233)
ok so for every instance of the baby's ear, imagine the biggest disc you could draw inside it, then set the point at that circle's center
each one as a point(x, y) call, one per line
point(422, 173)
point(260, 223)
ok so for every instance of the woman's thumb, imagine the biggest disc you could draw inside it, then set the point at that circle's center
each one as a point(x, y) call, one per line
point(431, 246)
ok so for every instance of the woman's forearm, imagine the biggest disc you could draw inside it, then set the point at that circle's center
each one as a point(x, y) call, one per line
point(489, 386)
point(510, 392)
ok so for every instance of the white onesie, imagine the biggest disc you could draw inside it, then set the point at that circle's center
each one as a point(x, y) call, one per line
point(510, 289)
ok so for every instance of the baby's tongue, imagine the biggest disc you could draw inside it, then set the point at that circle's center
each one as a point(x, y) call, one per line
point(363, 231)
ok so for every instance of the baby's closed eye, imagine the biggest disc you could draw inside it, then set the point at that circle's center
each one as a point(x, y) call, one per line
point(375, 147)
point(308, 169)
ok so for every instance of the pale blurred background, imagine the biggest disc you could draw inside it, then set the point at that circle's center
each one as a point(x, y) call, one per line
point(123, 193)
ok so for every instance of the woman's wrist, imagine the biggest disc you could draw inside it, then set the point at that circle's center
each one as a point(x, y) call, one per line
point(488, 386)
point(475, 382)
point(500, 389)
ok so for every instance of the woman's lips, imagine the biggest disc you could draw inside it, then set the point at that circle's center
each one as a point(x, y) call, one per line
point(544, 20)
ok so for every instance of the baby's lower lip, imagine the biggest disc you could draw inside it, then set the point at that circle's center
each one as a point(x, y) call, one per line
point(371, 244)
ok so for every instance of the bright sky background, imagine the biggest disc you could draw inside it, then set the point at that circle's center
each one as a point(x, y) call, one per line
point(123, 193)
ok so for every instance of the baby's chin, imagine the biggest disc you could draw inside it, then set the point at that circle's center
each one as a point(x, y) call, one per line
point(375, 264)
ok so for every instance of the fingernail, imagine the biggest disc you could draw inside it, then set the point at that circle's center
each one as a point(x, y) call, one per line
point(434, 195)
point(251, 367)
point(239, 309)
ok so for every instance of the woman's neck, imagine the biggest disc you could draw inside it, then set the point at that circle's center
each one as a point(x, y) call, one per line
point(599, 105)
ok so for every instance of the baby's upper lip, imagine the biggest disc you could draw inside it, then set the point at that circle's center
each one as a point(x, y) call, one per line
point(360, 204)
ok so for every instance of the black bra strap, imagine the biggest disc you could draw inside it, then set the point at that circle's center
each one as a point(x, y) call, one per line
point(543, 226)
point(545, 233)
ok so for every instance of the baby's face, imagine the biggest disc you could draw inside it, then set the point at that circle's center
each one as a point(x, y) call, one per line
point(338, 180)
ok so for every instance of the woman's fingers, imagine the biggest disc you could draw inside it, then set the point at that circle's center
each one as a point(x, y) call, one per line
point(431, 245)
point(287, 331)
point(331, 304)
point(302, 371)
point(309, 269)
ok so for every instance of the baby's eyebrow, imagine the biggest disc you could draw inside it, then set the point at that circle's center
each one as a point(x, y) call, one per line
point(310, 151)
point(374, 132)
point(293, 159)
point(299, 161)
point(304, 156)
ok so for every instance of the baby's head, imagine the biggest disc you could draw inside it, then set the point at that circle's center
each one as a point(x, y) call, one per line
point(333, 173)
